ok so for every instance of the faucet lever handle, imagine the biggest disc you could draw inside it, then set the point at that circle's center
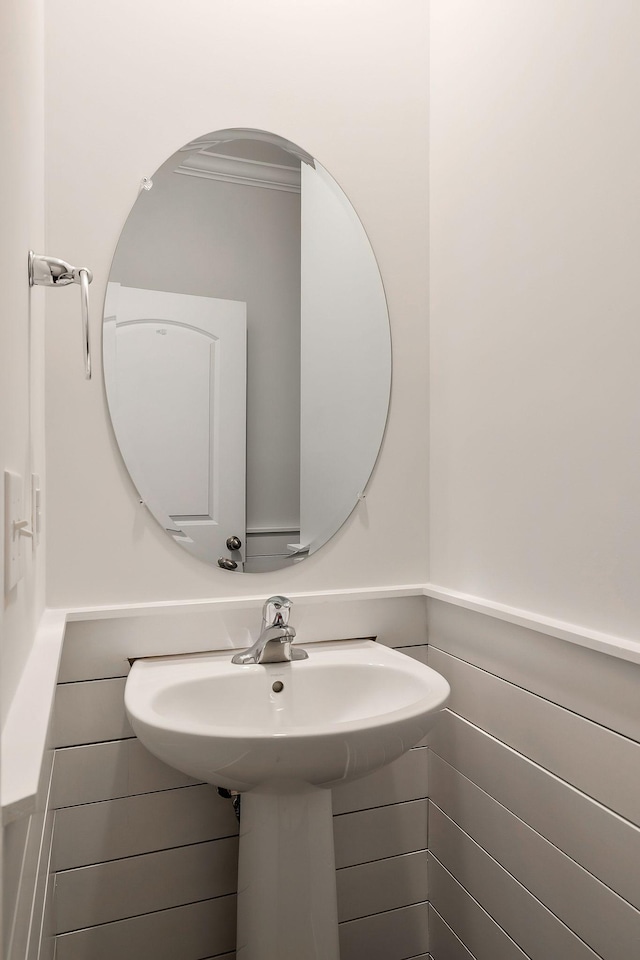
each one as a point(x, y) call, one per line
point(275, 612)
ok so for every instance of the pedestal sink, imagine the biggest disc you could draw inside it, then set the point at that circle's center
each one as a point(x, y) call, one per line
point(283, 734)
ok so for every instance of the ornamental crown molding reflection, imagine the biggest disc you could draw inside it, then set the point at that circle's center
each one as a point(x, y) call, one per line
point(253, 173)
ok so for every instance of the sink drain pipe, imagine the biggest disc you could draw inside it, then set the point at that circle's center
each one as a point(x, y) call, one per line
point(235, 798)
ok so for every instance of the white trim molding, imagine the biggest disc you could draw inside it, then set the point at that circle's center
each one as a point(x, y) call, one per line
point(240, 603)
point(26, 730)
point(620, 647)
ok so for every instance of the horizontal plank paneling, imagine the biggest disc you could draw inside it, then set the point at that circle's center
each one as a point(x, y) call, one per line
point(382, 885)
point(443, 943)
point(404, 779)
point(396, 935)
point(125, 888)
point(478, 931)
point(600, 841)
point(90, 712)
point(107, 830)
point(18, 843)
point(101, 831)
point(593, 684)
point(43, 947)
point(524, 918)
point(25, 857)
point(598, 761)
point(102, 771)
point(232, 956)
point(39, 929)
point(188, 933)
point(379, 833)
point(600, 917)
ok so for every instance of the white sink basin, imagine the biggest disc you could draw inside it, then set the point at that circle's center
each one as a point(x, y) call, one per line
point(353, 706)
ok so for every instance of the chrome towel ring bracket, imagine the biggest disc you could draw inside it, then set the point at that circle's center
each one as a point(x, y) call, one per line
point(52, 272)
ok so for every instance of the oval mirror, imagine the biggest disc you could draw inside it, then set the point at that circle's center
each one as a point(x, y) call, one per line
point(247, 353)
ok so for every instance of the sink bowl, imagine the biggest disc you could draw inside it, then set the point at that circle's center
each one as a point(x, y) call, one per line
point(353, 706)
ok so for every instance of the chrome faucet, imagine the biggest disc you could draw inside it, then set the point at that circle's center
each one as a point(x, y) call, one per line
point(274, 643)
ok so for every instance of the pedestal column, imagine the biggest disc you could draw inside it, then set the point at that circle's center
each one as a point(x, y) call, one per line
point(287, 907)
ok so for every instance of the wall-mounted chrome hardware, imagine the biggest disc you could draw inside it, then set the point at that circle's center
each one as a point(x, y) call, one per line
point(227, 564)
point(234, 543)
point(52, 272)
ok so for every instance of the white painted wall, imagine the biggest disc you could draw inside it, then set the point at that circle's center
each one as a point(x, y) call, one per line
point(21, 312)
point(127, 85)
point(535, 339)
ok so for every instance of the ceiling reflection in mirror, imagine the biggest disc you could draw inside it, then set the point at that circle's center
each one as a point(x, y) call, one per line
point(247, 353)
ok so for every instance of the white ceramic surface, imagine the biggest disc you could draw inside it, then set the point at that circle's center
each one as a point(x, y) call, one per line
point(353, 706)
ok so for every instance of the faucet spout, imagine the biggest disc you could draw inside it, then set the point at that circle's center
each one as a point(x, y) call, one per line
point(276, 636)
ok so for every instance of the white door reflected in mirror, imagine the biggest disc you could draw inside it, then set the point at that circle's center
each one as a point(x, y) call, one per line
point(177, 393)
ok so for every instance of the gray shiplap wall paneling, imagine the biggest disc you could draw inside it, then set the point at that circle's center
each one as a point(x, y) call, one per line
point(585, 754)
point(26, 856)
point(15, 859)
point(535, 787)
point(111, 829)
point(524, 918)
point(188, 932)
point(90, 712)
point(104, 771)
point(590, 683)
point(443, 943)
point(131, 887)
point(485, 939)
point(94, 832)
point(593, 836)
point(381, 832)
point(382, 885)
point(396, 935)
point(119, 889)
point(597, 914)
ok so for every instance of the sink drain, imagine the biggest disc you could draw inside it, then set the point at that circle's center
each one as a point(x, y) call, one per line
point(277, 686)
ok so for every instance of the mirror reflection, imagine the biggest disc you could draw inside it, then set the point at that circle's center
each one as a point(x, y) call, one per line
point(246, 351)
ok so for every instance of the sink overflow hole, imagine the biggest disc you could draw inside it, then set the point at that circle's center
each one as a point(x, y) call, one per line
point(277, 686)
